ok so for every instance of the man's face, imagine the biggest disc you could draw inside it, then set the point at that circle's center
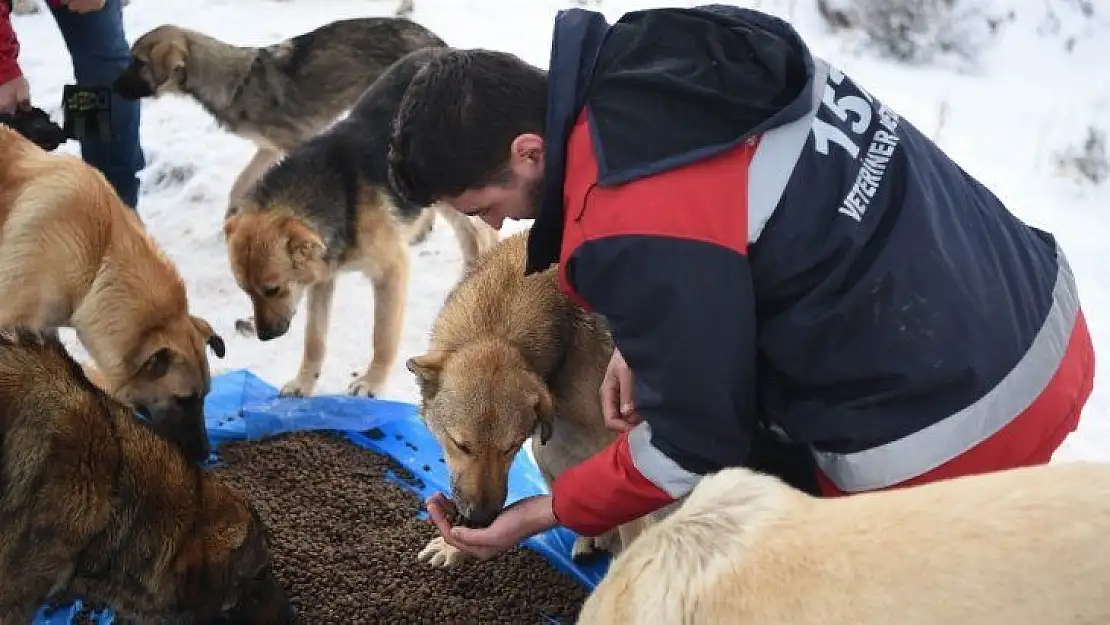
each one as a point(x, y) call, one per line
point(516, 198)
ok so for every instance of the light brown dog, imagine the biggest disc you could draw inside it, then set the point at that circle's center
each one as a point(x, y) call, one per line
point(73, 255)
point(1020, 547)
point(512, 358)
point(95, 505)
point(328, 208)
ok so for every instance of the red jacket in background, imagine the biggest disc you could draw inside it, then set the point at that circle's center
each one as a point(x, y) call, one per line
point(9, 45)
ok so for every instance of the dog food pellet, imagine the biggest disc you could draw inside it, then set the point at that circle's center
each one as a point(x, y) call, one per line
point(345, 539)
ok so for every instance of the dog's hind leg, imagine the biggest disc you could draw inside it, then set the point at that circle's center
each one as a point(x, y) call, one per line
point(473, 234)
point(320, 296)
point(262, 160)
point(389, 275)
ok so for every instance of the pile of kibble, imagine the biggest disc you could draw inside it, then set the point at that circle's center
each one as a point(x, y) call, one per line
point(345, 541)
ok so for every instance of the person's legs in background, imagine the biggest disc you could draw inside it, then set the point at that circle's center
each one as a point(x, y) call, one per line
point(100, 51)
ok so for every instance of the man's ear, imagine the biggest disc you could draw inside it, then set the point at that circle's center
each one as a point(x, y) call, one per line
point(526, 150)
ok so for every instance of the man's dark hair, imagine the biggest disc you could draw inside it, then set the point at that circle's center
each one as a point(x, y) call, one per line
point(458, 119)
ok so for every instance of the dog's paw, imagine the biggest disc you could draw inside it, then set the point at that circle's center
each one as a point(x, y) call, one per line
point(584, 548)
point(297, 387)
point(441, 555)
point(363, 386)
point(608, 542)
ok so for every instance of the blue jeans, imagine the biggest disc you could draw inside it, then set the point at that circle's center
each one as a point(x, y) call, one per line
point(100, 52)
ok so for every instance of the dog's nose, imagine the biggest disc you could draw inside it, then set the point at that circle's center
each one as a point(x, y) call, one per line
point(479, 518)
point(271, 331)
point(267, 333)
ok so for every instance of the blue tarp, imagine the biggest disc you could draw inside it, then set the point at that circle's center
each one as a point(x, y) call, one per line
point(241, 405)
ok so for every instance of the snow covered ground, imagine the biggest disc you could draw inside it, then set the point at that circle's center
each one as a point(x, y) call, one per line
point(1003, 122)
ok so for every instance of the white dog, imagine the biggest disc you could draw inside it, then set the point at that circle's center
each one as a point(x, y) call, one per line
point(1020, 547)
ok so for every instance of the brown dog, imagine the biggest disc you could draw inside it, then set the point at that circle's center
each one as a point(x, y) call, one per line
point(1020, 547)
point(95, 505)
point(511, 357)
point(73, 255)
point(328, 208)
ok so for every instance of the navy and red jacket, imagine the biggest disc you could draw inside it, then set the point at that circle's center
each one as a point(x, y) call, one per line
point(773, 247)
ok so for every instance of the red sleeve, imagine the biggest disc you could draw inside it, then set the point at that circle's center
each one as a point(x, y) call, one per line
point(9, 47)
point(605, 491)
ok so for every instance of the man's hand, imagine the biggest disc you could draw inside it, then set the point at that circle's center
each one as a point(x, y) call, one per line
point(83, 6)
point(14, 95)
point(523, 519)
point(617, 403)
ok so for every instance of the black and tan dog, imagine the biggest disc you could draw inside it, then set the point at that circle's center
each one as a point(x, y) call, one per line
point(328, 208)
point(276, 96)
point(95, 505)
point(73, 255)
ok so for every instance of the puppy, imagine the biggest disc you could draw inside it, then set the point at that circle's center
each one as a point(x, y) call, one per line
point(1019, 547)
point(275, 96)
point(511, 358)
point(73, 255)
point(95, 505)
point(328, 208)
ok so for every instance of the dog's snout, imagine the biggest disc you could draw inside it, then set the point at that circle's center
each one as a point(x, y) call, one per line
point(183, 424)
point(272, 330)
point(479, 517)
point(130, 86)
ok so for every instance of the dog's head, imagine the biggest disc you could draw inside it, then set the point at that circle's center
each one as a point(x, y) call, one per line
point(274, 257)
point(166, 377)
point(225, 573)
point(158, 64)
point(482, 402)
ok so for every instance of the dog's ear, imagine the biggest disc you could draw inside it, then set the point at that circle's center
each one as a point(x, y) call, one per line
point(230, 224)
point(156, 364)
point(304, 246)
point(167, 62)
point(213, 340)
point(427, 367)
point(544, 406)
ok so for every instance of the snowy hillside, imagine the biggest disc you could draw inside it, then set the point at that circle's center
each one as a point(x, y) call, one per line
point(1035, 94)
